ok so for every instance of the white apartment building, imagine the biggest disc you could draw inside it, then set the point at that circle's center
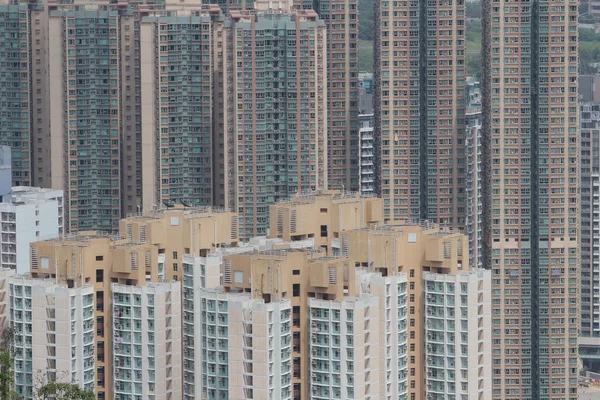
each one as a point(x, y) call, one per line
point(30, 214)
point(54, 334)
point(243, 349)
point(458, 337)
point(358, 346)
point(147, 341)
point(207, 273)
point(473, 187)
point(367, 141)
point(5, 274)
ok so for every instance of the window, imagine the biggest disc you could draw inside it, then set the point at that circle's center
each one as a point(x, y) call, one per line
point(412, 298)
point(99, 258)
point(45, 262)
point(412, 273)
point(296, 290)
point(412, 286)
point(296, 272)
point(412, 347)
point(412, 384)
point(323, 230)
point(412, 322)
point(174, 255)
point(175, 267)
point(412, 372)
point(238, 276)
point(99, 275)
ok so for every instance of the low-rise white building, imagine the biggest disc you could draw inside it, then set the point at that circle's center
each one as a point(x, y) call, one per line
point(28, 214)
point(54, 331)
point(146, 344)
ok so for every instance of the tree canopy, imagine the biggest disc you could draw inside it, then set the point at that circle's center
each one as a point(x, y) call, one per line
point(63, 391)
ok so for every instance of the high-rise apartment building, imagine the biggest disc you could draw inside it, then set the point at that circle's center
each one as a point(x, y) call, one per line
point(178, 52)
point(247, 346)
point(341, 19)
point(97, 260)
point(323, 216)
point(151, 249)
point(28, 214)
point(84, 63)
point(589, 341)
point(359, 344)
point(531, 211)
point(367, 171)
point(15, 89)
point(146, 341)
point(279, 66)
point(458, 334)
point(419, 102)
point(473, 187)
point(53, 334)
point(357, 318)
point(196, 232)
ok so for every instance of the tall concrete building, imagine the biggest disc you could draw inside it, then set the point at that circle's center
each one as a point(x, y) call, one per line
point(323, 216)
point(146, 334)
point(368, 173)
point(65, 352)
point(473, 187)
point(419, 106)
point(28, 214)
point(15, 89)
point(341, 18)
point(589, 340)
point(85, 120)
point(177, 91)
point(356, 318)
point(531, 218)
point(279, 111)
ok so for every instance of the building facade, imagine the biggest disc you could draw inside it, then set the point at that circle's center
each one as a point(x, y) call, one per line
point(15, 90)
point(177, 104)
point(458, 336)
point(419, 105)
point(66, 352)
point(368, 174)
point(590, 235)
point(146, 333)
point(280, 111)
point(341, 19)
point(248, 347)
point(473, 187)
point(530, 152)
point(28, 214)
point(323, 216)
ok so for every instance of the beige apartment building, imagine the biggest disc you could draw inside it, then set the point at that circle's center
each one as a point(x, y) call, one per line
point(322, 216)
point(151, 249)
point(97, 260)
point(182, 231)
point(419, 101)
point(531, 183)
point(295, 275)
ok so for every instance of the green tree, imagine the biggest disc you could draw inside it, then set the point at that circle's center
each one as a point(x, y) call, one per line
point(7, 378)
point(63, 391)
